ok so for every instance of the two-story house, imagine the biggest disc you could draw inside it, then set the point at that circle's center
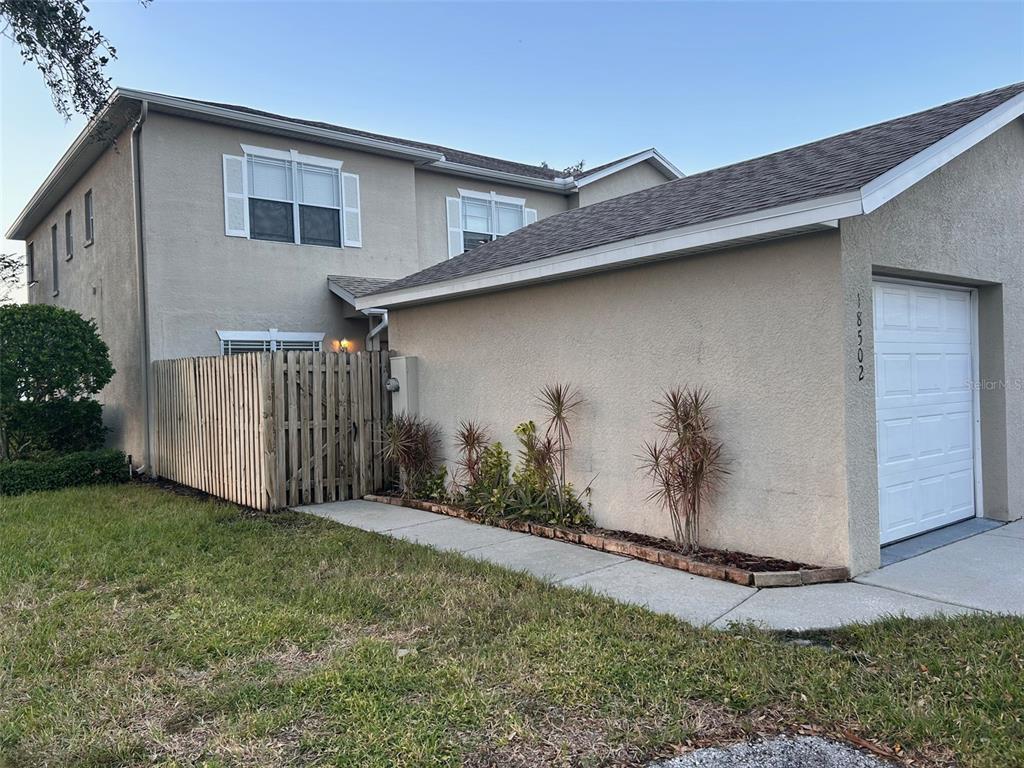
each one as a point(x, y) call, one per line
point(186, 227)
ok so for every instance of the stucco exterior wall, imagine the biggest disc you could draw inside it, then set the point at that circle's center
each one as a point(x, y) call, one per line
point(759, 326)
point(432, 219)
point(964, 224)
point(200, 280)
point(101, 282)
point(632, 179)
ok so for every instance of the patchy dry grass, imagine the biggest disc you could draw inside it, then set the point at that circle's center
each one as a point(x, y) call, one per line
point(142, 628)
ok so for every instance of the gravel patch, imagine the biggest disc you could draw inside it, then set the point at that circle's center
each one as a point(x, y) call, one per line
point(781, 752)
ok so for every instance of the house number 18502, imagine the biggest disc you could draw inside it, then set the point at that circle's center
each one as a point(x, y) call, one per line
point(860, 339)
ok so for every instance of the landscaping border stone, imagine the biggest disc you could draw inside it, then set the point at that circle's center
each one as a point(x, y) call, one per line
point(663, 557)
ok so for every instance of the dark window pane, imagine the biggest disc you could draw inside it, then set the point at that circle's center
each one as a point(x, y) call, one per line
point(473, 239)
point(319, 226)
point(271, 220)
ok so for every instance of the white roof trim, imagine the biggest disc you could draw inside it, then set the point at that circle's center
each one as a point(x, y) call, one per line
point(651, 155)
point(881, 190)
point(816, 213)
point(562, 185)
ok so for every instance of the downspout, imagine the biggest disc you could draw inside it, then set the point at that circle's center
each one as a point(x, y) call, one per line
point(143, 306)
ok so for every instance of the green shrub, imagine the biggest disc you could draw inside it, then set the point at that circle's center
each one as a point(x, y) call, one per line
point(82, 468)
point(50, 353)
point(51, 360)
point(53, 426)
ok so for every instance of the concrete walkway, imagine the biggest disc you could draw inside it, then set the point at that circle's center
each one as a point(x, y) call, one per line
point(982, 573)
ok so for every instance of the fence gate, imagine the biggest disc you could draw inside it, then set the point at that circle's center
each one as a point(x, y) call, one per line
point(270, 430)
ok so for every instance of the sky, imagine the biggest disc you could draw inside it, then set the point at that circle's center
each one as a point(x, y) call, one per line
point(706, 83)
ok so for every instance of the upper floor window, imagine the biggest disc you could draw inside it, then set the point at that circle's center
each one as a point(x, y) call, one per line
point(290, 198)
point(69, 240)
point(475, 218)
point(55, 259)
point(90, 221)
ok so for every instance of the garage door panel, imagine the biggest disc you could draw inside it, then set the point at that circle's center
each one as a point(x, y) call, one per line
point(924, 407)
point(927, 311)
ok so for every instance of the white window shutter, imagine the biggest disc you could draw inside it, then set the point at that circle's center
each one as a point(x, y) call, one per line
point(350, 210)
point(529, 216)
point(236, 209)
point(455, 244)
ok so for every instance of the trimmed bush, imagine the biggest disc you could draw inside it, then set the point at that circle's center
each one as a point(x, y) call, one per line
point(82, 468)
point(53, 426)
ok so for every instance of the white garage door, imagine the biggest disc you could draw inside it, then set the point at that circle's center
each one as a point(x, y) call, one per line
point(924, 407)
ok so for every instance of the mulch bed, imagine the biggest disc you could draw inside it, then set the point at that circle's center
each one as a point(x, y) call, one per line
point(714, 556)
point(738, 567)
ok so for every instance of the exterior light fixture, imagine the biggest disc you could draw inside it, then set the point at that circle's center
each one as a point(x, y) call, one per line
point(344, 345)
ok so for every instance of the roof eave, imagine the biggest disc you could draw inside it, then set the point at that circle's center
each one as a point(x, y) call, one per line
point(560, 185)
point(821, 214)
point(82, 153)
point(186, 107)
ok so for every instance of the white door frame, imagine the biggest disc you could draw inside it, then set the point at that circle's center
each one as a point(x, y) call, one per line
point(979, 507)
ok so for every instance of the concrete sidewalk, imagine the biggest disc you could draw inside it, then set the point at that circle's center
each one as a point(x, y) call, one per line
point(983, 573)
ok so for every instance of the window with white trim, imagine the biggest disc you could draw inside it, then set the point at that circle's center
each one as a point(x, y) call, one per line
point(90, 218)
point(272, 340)
point(475, 218)
point(288, 197)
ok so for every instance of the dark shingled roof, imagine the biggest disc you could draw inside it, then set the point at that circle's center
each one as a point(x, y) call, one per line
point(451, 155)
point(835, 165)
point(359, 286)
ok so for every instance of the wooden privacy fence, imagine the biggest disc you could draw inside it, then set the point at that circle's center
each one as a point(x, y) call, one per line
point(273, 429)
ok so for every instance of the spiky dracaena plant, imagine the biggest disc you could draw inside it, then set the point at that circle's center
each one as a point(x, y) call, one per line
point(413, 444)
point(472, 440)
point(560, 402)
point(685, 462)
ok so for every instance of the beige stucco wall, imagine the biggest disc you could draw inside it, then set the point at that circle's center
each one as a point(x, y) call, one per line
point(964, 224)
point(632, 179)
point(201, 280)
point(101, 282)
point(759, 326)
point(432, 219)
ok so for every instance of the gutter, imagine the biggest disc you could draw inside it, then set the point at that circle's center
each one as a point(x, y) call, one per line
point(195, 109)
point(143, 303)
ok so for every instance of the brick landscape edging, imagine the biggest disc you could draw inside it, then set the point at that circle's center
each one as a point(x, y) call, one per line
point(636, 551)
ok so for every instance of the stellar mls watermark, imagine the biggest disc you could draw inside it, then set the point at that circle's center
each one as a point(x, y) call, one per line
point(990, 385)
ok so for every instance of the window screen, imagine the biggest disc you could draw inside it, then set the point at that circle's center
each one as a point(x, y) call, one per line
point(271, 220)
point(473, 239)
point(319, 226)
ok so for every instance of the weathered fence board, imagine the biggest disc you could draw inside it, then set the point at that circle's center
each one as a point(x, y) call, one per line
point(271, 430)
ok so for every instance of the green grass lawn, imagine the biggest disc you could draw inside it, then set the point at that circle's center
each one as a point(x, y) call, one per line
point(138, 627)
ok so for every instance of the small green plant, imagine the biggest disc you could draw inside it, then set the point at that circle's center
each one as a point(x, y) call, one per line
point(686, 462)
point(413, 443)
point(434, 486)
point(490, 494)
